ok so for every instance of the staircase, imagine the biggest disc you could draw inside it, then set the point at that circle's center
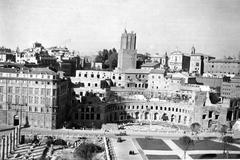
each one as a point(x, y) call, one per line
point(23, 150)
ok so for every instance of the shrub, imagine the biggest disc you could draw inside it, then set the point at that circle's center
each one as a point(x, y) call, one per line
point(87, 150)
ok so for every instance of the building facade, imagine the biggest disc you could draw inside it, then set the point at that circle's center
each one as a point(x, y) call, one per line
point(180, 108)
point(231, 89)
point(222, 67)
point(178, 61)
point(34, 97)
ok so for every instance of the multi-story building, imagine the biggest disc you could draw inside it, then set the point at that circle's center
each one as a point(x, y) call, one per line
point(34, 97)
point(222, 67)
point(156, 58)
point(197, 61)
point(231, 89)
point(150, 65)
point(179, 61)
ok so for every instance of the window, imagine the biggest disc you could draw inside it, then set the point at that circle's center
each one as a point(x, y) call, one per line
point(36, 91)
point(30, 99)
point(54, 92)
point(1, 98)
point(9, 98)
point(42, 100)
point(204, 116)
point(95, 84)
point(92, 109)
point(92, 116)
point(42, 91)
point(87, 116)
point(1, 89)
point(30, 90)
point(36, 100)
point(17, 99)
point(197, 64)
point(10, 89)
point(48, 92)
point(98, 116)
point(210, 114)
point(89, 84)
point(87, 109)
point(82, 116)
point(17, 90)
point(76, 116)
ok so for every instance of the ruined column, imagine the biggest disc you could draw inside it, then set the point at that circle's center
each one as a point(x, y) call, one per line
point(10, 143)
point(19, 134)
point(16, 138)
point(13, 140)
point(6, 146)
point(3, 148)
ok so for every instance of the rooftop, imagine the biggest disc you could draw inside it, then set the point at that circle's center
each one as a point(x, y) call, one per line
point(149, 64)
point(157, 71)
point(225, 61)
point(42, 70)
point(139, 71)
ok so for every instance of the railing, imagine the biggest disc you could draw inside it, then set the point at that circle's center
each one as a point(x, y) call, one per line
point(110, 154)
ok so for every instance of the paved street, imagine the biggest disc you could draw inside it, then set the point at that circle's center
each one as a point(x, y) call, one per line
point(122, 149)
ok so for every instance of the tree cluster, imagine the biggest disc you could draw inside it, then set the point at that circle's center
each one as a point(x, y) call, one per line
point(108, 58)
point(87, 150)
point(3, 49)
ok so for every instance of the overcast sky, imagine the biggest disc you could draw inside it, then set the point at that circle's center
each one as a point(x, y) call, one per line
point(212, 26)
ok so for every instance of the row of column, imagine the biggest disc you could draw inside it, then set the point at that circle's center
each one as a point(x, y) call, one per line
point(9, 143)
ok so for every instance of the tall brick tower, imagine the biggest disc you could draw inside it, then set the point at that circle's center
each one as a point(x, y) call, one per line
point(127, 55)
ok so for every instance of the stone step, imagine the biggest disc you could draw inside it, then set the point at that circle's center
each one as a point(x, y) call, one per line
point(23, 149)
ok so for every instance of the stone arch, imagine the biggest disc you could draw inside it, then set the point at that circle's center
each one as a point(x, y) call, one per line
point(185, 120)
point(155, 116)
point(210, 123)
point(137, 115)
point(146, 115)
point(172, 117)
point(165, 117)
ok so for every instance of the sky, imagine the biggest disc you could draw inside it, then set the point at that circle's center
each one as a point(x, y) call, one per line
point(212, 26)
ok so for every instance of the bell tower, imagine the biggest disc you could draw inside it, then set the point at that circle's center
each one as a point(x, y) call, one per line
point(127, 55)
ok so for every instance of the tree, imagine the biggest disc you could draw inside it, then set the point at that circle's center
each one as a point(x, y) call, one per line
point(195, 127)
point(223, 129)
point(186, 142)
point(226, 140)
